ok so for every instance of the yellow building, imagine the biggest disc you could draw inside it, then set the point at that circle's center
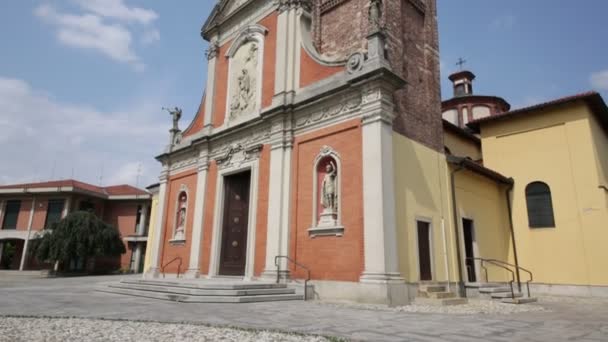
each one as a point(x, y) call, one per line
point(553, 218)
point(557, 152)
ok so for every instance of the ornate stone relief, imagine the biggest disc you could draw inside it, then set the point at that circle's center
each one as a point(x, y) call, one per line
point(284, 5)
point(184, 161)
point(244, 83)
point(326, 113)
point(355, 62)
point(251, 137)
point(237, 155)
point(212, 50)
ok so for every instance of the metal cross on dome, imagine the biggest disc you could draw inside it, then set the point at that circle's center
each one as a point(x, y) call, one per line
point(461, 62)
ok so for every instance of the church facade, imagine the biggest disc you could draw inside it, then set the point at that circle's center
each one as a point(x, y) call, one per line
point(292, 152)
point(319, 145)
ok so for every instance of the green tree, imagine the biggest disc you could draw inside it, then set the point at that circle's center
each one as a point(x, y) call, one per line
point(79, 236)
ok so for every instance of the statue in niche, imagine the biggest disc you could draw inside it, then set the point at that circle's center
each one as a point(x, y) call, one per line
point(329, 196)
point(181, 218)
point(243, 97)
point(328, 187)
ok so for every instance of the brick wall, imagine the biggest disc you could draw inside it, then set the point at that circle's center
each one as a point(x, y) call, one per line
point(413, 53)
point(329, 257)
point(170, 251)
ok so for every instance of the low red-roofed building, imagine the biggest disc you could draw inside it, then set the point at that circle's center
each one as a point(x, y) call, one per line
point(26, 209)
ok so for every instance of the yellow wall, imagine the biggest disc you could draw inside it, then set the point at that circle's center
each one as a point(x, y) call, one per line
point(460, 146)
point(151, 232)
point(422, 179)
point(558, 148)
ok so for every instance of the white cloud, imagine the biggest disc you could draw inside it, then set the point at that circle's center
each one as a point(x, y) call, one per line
point(43, 132)
point(503, 23)
point(118, 10)
point(599, 80)
point(102, 27)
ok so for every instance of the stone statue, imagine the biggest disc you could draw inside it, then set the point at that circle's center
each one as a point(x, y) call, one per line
point(176, 113)
point(181, 219)
point(242, 97)
point(328, 187)
point(375, 14)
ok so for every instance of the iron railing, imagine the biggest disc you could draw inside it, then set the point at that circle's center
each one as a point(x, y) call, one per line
point(278, 265)
point(179, 266)
point(506, 266)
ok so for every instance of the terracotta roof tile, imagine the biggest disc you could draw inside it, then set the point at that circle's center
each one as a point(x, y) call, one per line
point(116, 190)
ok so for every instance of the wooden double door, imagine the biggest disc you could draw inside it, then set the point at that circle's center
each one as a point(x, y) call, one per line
point(233, 256)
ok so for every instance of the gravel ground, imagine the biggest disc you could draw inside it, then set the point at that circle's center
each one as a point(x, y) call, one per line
point(474, 307)
point(82, 330)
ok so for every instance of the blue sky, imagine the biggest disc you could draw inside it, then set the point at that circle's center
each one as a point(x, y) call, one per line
point(82, 82)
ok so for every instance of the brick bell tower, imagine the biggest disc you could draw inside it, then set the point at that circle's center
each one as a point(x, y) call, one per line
point(412, 50)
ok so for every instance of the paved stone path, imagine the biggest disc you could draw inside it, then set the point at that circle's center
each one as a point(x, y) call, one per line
point(569, 320)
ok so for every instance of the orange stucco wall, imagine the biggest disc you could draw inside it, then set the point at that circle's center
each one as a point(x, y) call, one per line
point(311, 71)
point(262, 211)
point(199, 120)
point(169, 250)
point(329, 258)
point(270, 58)
point(208, 219)
point(221, 86)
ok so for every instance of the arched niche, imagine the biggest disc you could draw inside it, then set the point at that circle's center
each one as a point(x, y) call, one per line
point(327, 194)
point(181, 216)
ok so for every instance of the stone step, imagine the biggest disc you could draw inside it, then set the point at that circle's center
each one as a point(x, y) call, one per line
point(200, 299)
point(494, 289)
point(203, 292)
point(525, 300)
point(483, 285)
point(431, 288)
point(436, 295)
point(206, 285)
point(440, 302)
point(503, 295)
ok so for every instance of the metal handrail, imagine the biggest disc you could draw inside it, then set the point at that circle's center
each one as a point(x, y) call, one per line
point(278, 265)
point(497, 264)
point(179, 266)
point(531, 279)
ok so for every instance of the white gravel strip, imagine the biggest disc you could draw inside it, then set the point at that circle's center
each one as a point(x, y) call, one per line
point(474, 307)
point(81, 330)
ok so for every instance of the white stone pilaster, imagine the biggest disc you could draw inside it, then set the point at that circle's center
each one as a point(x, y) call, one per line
point(154, 270)
point(29, 234)
point(277, 242)
point(210, 88)
point(288, 53)
point(199, 212)
point(379, 218)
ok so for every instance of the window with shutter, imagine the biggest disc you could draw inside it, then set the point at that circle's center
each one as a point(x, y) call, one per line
point(540, 205)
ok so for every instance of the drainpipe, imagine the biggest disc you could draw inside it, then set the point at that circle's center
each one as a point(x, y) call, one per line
point(461, 289)
point(510, 210)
